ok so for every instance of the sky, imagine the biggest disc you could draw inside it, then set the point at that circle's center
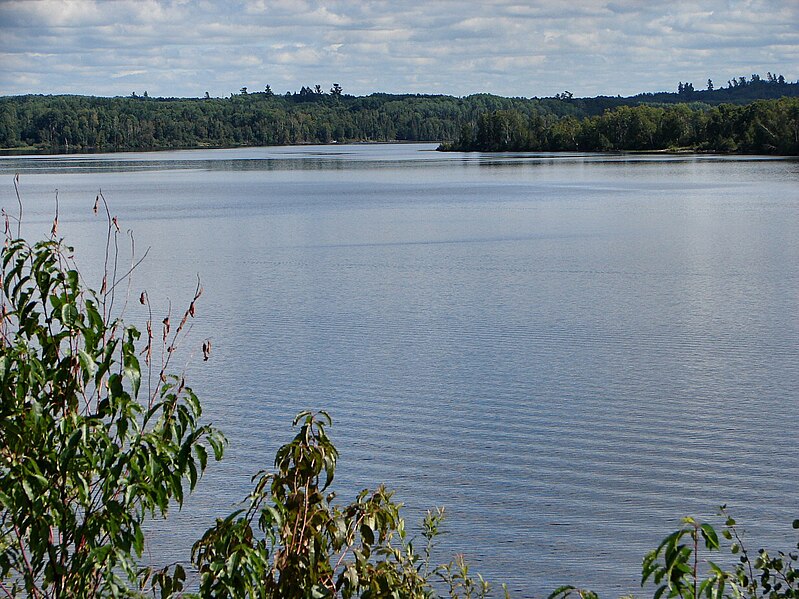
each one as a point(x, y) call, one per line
point(511, 48)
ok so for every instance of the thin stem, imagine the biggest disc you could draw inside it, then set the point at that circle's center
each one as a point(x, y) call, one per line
point(148, 356)
point(27, 562)
point(116, 265)
point(54, 230)
point(349, 545)
point(696, 557)
point(19, 201)
point(5, 590)
point(128, 273)
point(169, 350)
point(748, 561)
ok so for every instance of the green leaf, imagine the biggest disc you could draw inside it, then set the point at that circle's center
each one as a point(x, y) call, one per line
point(69, 315)
point(318, 591)
point(274, 516)
point(138, 544)
point(87, 363)
point(26, 486)
point(133, 372)
point(710, 536)
point(192, 474)
point(367, 534)
point(217, 442)
point(715, 568)
point(202, 456)
point(562, 591)
point(72, 281)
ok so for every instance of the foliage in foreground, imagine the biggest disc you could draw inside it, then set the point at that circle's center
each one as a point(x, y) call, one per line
point(675, 566)
point(678, 567)
point(87, 452)
point(294, 541)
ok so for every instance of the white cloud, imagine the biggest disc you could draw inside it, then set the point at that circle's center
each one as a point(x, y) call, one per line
point(541, 47)
point(129, 73)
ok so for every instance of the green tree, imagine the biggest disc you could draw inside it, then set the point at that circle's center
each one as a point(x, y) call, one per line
point(89, 448)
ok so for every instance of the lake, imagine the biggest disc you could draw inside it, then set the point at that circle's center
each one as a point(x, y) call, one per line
point(570, 352)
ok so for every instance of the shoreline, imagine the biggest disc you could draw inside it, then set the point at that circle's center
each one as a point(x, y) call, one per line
point(48, 151)
point(36, 151)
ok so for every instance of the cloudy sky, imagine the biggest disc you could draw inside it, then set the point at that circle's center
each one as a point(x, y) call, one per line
point(506, 47)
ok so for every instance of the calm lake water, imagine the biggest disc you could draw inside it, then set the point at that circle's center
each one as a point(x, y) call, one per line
point(569, 352)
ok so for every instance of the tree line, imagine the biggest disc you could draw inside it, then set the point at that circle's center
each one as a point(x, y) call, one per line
point(762, 127)
point(81, 123)
point(41, 123)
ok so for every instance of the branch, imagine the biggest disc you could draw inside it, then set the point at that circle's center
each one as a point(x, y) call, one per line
point(19, 201)
point(27, 561)
point(174, 343)
point(128, 273)
point(5, 590)
point(54, 230)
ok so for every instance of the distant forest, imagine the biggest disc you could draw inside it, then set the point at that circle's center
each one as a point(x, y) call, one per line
point(762, 127)
point(745, 115)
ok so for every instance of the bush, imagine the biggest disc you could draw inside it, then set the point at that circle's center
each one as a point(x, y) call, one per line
point(678, 567)
point(85, 453)
point(293, 541)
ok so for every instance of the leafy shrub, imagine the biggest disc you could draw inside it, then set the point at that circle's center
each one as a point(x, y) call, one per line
point(678, 568)
point(85, 453)
point(294, 541)
point(675, 565)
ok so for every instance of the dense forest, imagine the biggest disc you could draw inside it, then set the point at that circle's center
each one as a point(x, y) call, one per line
point(762, 127)
point(35, 123)
point(80, 123)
